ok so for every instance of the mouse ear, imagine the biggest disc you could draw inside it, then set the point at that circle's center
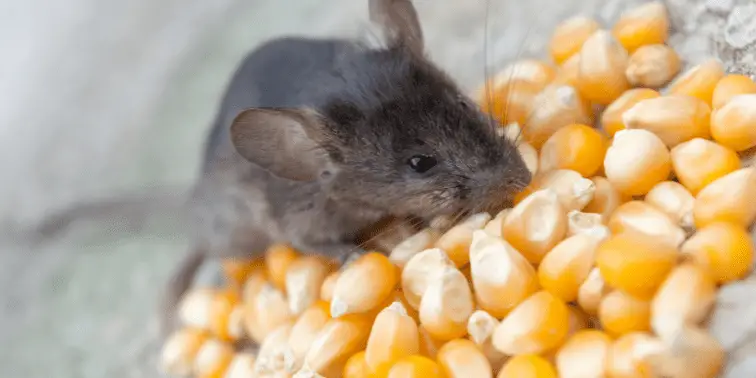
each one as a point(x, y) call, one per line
point(281, 141)
point(400, 22)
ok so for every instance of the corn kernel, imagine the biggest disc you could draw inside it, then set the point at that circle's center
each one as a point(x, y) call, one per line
point(461, 358)
point(278, 258)
point(635, 263)
point(628, 356)
point(601, 75)
point(413, 245)
point(456, 241)
point(422, 269)
point(211, 310)
point(536, 225)
point(529, 155)
point(415, 367)
point(567, 266)
point(538, 324)
point(734, 124)
point(568, 72)
point(306, 328)
point(501, 277)
point(393, 336)
point(674, 200)
point(583, 355)
point(592, 291)
point(238, 270)
point(351, 295)
point(554, 107)
point(242, 365)
point(531, 71)
point(493, 227)
point(586, 223)
point(652, 66)
point(621, 314)
point(275, 355)
point(636, 161)
point(724, 249)
point(674, 119)
point(267, 311)
point(356, 367)
point(577, 147)
point(573, 190)
point(336, 342)
point(605, 200)
point(699, 81)
point(729, 87)
point(691, 353)
point(730, 198)
point(578, 321)
point(568, 37)
point(611, 118)
point(304, 279)
point(527, 366)
point(684, 299)
point(446, 305)
point(509, 96)
point(180, 350)
point(698, 162)
point(480, 328)
point(326, 289)
point(212, 359)
point(428, 345)
point(640, 217)
point(647, 24)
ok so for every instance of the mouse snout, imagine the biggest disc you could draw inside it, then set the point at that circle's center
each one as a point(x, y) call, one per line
point(500, 185)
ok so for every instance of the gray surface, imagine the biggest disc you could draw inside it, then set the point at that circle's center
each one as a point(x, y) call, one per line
point(104, 96)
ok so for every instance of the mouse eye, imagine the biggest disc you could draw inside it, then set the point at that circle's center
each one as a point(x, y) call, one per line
point(422, 163)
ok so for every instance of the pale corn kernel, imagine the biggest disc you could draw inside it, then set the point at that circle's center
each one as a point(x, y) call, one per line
point(635, 263)
point(212, 359)
point(576, 147)
point(351, 295)
point(238, 270)
point(397, 295)
point(586, 223)
point(611, 118)
point(326, 289)
point(303, 373)
point(652, 66)
point(674, 200)
point(501, 276)
point(569, 35)
point(415, 367)
point(304, 279)
point(734, 124)
point(537, 325)
point(529, 155)
point(568, 72)
point(267, 311)
point(255, 281)
point(210, 309)
point(628, 355)
point(526, 70)
point(278, 258)
point(567, 266)
point(356, 367)
point(645, 24)
point(592, 291)
point(640, 217)
point(336, 342)
point(180, 350)
point(691, 353)
point(527, 366)
point(583, 355)
point(601, 75)
point(242, 366)
point(511, 132)
point(699, 81)
point(493, 227)
point(674, 119)
point(554, 107)
point(428, 345)
point(306, 328)
point(394, 335)
point(456, 241)
point(572, 189)
point(536, 225)
point(621, 314)
point(724, 249)
point(729, 87)
point(413, 245)
point(446, 305)
point(421, 270)
point(461, 358)
point(480, 328)
point(730, 198)
point(636, 161)
point(275, 356)
point(684, 299)
point(698, 162)
point(605, 200)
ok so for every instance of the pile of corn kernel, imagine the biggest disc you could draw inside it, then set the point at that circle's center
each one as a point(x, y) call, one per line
point(607, 265)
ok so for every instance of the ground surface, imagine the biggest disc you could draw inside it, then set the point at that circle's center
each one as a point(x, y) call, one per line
point(104, 96)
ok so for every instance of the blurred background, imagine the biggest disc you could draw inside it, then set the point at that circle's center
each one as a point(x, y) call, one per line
point(103, 97)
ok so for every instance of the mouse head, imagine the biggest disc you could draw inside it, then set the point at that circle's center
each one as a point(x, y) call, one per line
point(397, 135)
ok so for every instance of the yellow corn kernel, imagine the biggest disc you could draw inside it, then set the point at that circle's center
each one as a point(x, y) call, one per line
point(243, 365)
point(238, 270)
point(254, 282)
point(584, 355)
point(647, 24)
point(569, 35)
point(536, 225)
point(527, 366)
point(605, 200)
point(567, 266)
point(180, 350)
point(640, 217)
point(415, 367)
point(628, 356)
point(306, 328)
point(586, 223)
point(573, 190)
point(724, 249)
point(611, 118)
point(211, 309)
point(351, 295)
point(446, 305)
point(336, 342)
point(493, 227)
point(267, 311)
point(538, 324)
point(212, 359)
point(480, 328)
point(456, 241)
point(684, 299)
point(734, 124)
point(326, 289)
point(674, 119)
point(652, 66)
point(730, 198)
point(413, 245)
point(394, 335)
point(422, 269)
point(729, 87)
point(530, 71)
point(633, 173)
point(304, 279)
point(275, 356)
point(592, 291)
point(601, 75)
point(635, 263)
point(501, 277)
point(577, 147)
point(674, 200)
point(461, 358)
point(621, 314)
point(509, 96)
point(568, 72)
point(691, 353)
point(699, 81)
point(356, 367)
point(278, 258)
point(554, 107)
point(698, 162)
